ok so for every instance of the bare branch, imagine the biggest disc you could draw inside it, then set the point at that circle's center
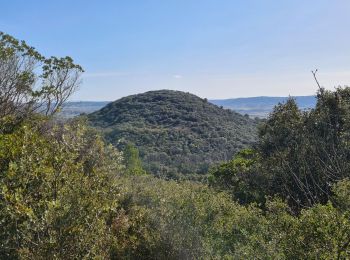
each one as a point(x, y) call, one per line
point(315, 77)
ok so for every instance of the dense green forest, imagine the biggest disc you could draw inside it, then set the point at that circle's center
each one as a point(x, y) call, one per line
point(176, 133)
point(67, 194)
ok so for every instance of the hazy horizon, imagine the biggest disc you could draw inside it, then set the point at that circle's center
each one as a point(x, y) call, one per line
point(218, 50)
point(227, 98)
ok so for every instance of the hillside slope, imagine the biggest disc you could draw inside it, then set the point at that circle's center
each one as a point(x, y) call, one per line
point(176, 133)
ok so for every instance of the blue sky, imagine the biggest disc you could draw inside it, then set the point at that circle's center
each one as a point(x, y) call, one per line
point(212, 48)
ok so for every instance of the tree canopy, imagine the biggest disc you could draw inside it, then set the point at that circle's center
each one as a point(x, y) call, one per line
point(31, 83)
point(299, 155)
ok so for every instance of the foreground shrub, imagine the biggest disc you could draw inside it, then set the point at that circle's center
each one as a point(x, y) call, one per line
point(57, 189)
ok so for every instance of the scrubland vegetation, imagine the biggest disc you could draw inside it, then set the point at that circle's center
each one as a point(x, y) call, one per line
point(65, 193)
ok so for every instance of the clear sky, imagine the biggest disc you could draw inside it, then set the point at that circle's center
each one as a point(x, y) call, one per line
point(212, 48)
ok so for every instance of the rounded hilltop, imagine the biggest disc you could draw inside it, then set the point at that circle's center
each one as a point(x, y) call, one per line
point(176, 133)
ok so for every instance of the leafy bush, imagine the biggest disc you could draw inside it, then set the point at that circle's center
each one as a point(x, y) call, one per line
point(57, 189)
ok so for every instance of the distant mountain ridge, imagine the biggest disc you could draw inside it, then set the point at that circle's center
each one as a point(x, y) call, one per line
point(177, 133)
point(262, 106)
point(76, 108)
point(253, 106)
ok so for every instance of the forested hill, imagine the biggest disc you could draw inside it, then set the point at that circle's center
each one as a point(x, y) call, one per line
point(176, 133)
